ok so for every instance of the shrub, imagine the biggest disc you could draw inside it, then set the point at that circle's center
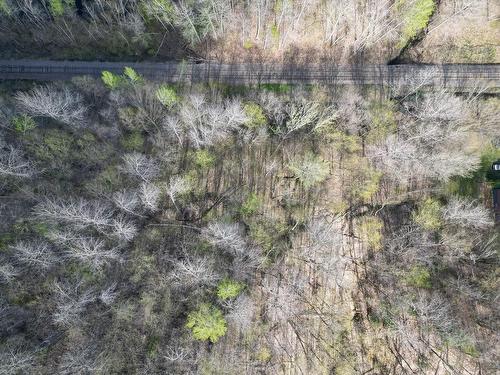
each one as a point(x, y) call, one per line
point(364, 180)
point(255, 114)
point(229, 289)
point(264, 354)
point(251, 205)
point(152, 344)
point(370, 228)
point(23, 123)
point(204, 159)
point(55, 146)
point(428, 215)
point(463, 342)
point(133, 141)
point(383, 121)
point(419, 277)
point(207, 323)
point(342, 141)
point(271, 236)
point(167, 96)
point(310, 171)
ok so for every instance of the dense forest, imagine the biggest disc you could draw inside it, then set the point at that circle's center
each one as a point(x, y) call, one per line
point(343, 31)
point(149, 227)
point(167, 229)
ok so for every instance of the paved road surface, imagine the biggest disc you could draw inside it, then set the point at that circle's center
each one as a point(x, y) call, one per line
point(454, 76)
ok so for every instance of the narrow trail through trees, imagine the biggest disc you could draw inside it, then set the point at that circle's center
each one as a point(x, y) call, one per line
point(457, 77)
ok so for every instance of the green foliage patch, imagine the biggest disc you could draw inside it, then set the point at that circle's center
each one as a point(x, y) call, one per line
point(167, 96)
point(416, 19)
point(207, 323)
point(371, 230)
point(256, 116)
point(419, 277)
point(228, 289)
point(132, 75)
point(428, 215)
point(111, 80)
point(383, 121)
point(5, 8)
point(56, 7)
point(251, 205)
point(22, 123)
point(203, 159)
point(133, 141)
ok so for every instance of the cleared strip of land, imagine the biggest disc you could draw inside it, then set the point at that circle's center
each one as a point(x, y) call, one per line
point(453, 76)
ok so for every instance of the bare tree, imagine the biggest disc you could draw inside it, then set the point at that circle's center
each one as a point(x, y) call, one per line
point(430, 144)
point(141, 166)
point(433, 311)
point(177, 185)
point(323, 249)
point(301, 115)
point(207, 123)
point(61, 104)
point(485, 250)
point(242, 312)
point(225, 236)
point(34, 253)
point(437, 106)
point(151, 112)
point(91, 251)
point(246, 263)
point(176, 353)
point(109, 295)
point(150, 196)
point(77, 212)
point(82, 214)
point(7, 272)
point(14, 359)
point(13, 163)
point(193, 272)
point(324, 232)
point(124, 229)
point(467, 214)
point(81, 359)
point(283, 301)
point(171, 124)
point(71, 303)
point(127, 201)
